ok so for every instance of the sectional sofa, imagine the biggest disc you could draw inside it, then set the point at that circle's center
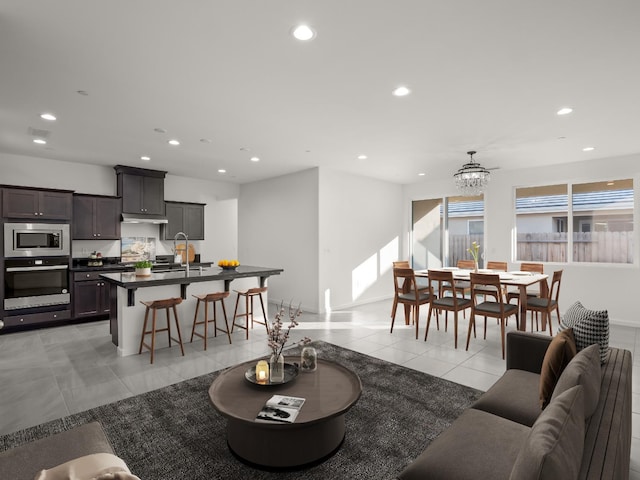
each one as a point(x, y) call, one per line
point(584, 431)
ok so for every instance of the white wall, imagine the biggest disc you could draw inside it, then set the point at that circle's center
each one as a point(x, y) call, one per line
point(221, 199)
point(360, 235)
point(278, 227)
point(608, 287)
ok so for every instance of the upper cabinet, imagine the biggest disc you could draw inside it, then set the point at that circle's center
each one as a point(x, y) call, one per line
point(36, 204)
point(142, 190)
point(184, 217)
point(96, 217)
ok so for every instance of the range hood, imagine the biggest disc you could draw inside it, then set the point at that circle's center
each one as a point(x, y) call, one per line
point(143, 218)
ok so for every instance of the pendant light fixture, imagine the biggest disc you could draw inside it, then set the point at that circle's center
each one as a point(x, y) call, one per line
point(472, 178)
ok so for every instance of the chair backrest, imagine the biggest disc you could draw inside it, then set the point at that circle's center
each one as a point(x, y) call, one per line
point(532, 267)
point(479, 280)
point(404, 280)
point(501, 266)
point(401, 264)
point(466, 264)
point(441, 277)
point(554, 291)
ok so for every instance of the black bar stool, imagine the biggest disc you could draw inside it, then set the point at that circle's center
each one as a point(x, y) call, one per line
point(155, 305)
point(206, 299)
point(248, 300)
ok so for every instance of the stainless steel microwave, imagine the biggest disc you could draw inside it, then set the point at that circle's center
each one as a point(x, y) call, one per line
point(36, 239)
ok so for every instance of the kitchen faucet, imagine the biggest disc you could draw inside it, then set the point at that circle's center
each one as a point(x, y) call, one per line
point(186, 247)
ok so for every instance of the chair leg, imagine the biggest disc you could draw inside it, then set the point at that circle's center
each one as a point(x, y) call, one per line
point(416, 317)
point(502, 321)
point(175, 316)
point(485, 328)
point(266, 321)
point(144, 330)
point(166, 311)
point(472, 324)
point(547, 314)
point(455, 328)
point(226, 323)
point(426, 332)
point(195, 319)
point(153, 333)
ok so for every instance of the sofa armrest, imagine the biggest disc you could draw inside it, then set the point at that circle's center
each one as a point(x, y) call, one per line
point(525, 351)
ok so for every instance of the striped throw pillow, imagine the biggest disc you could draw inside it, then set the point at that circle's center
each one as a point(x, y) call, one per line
point(589, 327)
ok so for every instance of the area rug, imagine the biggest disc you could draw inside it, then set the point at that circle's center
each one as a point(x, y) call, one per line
point(175, 433)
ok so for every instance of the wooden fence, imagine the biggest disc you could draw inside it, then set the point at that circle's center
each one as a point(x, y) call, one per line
point(596, 247)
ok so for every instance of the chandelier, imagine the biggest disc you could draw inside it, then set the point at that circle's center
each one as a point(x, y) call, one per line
point(472, 178)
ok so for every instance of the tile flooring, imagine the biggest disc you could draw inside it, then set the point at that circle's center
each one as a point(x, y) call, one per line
point(49, 373)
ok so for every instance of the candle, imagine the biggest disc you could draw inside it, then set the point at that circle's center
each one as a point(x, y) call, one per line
point(262, 372)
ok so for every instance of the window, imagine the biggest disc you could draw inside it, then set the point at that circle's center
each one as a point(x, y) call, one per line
point(603, 214)
point(596, 225)
point(443, 229)
point(541, 214)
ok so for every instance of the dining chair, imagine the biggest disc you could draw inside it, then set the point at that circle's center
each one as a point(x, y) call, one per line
point(532, 292)
point(499, 309)
point(546, 305)
point(439, 302)
point(496, 267)
point(461, 286)
point(407, 293)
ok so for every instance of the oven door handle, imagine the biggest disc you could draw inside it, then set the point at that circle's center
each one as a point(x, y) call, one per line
point(35, 269)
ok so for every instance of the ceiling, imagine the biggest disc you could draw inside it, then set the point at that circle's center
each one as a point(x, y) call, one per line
point(227, 79)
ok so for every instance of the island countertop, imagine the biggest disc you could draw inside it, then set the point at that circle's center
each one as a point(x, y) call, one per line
point(131, 282)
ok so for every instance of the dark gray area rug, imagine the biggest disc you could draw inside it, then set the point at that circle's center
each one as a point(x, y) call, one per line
point(175, 433)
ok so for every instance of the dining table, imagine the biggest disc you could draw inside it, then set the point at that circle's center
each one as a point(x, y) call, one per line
point(519, 279)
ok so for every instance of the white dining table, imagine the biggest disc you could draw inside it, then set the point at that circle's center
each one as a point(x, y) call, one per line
point(519, 279)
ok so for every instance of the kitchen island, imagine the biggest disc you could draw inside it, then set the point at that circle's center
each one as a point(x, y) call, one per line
point(127, 290)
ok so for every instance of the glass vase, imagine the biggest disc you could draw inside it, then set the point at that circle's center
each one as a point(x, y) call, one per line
point(475, 266)
point(308, 359)
point(276, 369)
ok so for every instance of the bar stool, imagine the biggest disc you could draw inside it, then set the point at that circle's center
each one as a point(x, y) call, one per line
point(206, 299)
point(248, 297)
point(155, 305)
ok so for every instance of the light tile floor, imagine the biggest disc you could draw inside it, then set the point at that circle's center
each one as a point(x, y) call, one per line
point(49, 373)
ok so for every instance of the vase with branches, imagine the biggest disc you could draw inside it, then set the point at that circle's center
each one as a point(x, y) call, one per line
point(278, 337)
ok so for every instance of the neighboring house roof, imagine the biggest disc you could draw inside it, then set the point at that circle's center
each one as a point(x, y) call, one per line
point(603, 200)
point(465, 209)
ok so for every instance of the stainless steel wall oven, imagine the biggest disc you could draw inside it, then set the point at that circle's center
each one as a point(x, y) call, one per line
point(36, 282)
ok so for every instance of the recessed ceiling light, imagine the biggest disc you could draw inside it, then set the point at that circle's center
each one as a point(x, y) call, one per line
point(40, 141)
point(588, 149)
point(174, 142)
point(401, 91)
point(421, 174)
point(146, 158)
point(362, 157)
point(565, 111)
point(255, 159)
point(222, 170)
point(48, 116)
point(304, 32)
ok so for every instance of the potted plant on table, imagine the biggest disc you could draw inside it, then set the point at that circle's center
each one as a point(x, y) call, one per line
point(143, 268)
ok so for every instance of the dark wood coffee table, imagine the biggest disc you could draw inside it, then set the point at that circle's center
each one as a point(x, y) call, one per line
point(318, 430)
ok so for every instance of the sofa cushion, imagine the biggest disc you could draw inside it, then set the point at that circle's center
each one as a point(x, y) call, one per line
point(589, 327)
point(476, 445)
point(554, 446)
point(560, 352)
point(584, 369)
point(514, 396)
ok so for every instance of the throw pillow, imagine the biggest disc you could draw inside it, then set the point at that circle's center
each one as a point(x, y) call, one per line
point(589, 327)
point(583, 370)
point(553, 448)
point(560, 352)
point(87, 467)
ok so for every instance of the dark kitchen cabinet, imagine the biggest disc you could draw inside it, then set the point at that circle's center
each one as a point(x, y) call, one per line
point(36, 204)
point(142, 190)
point(90, 294)
point(184, 217)
point(96, 217)
point(36, 318)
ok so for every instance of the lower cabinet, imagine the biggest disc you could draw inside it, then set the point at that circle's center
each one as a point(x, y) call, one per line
point(35, 318)
point(90, 294)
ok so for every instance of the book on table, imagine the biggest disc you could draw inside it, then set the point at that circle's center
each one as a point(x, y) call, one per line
point(280, 409)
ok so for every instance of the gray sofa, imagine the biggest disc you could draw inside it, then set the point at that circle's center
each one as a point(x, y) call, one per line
point(500, 436)
point(25, 461)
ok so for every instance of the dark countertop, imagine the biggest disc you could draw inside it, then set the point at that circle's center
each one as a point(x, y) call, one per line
point(131, 282)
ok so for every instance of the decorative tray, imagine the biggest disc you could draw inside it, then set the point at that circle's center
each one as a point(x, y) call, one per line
point(290, 373)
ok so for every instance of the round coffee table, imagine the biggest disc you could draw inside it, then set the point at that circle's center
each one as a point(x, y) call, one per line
point(317, 432)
